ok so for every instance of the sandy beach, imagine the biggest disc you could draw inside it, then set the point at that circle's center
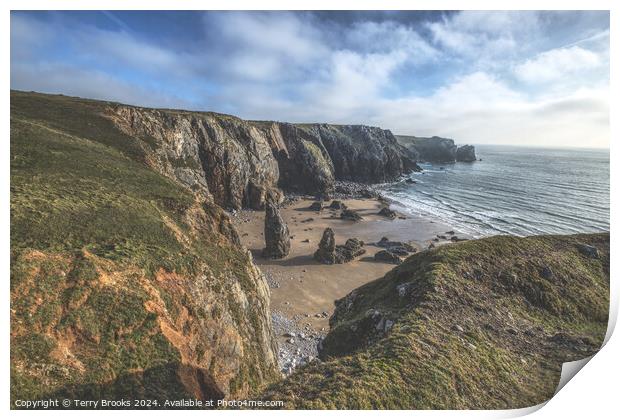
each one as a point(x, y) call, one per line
point(302, 288)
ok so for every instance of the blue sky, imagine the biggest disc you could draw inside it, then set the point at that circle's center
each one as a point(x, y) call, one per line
point(498, 77)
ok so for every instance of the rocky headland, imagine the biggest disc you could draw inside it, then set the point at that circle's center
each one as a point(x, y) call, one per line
point(164, 254)
point(437, 149)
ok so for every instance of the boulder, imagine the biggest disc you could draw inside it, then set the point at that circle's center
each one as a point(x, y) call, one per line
point(386, 243)
point(350, 250)
point(588, 250)
point(277, 238)
point(387, 256)
point(350, 215)
point(387, 212)
point(399, 250)
point(316, 206)
point(337, 205)
point(330, 253)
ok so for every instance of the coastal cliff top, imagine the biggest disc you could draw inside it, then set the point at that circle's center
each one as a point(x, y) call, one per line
point(483, 324)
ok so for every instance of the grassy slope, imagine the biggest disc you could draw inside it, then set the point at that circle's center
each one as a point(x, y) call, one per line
point(91, 228)
point(518, 327)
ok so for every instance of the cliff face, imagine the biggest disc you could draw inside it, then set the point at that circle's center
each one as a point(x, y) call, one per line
point(243, 163)
point(437, 149)
point(125, 284)
point(482, 324)
point(363, 154)
point(219, 155)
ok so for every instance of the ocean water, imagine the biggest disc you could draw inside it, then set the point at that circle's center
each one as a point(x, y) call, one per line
point(513, 190)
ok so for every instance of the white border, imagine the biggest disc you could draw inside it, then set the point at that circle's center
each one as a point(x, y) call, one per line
point(594, 393)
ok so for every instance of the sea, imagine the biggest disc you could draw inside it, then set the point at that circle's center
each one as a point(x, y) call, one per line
point(512, 190)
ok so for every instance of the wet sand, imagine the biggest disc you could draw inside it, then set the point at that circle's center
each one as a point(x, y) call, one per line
point(303, 289)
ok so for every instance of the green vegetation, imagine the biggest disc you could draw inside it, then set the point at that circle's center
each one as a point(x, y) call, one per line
point(463, 335)
point(103, 251)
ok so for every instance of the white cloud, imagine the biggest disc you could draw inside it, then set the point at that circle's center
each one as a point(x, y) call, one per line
point(294, 67)
point(556, 64)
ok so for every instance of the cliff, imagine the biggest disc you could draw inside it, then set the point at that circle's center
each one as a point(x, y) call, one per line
point(123, 283)
point(482, 324)
point(437, 149)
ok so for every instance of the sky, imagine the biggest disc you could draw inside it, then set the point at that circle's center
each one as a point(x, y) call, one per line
point(495, 77)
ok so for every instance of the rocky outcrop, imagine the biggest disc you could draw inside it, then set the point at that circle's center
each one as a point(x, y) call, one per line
point(304, 163)
point(277, 237)
point(330, 253)
point(437, 149)
point(387, 212)
point(361, 153)
point(337, 205)
point(466, 153)
point(327, 247)
point(387, 256)
point(222, 156)
point(352, 215)
point(245, 163)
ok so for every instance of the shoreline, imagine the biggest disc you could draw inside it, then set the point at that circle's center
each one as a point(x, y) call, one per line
point(303, 290)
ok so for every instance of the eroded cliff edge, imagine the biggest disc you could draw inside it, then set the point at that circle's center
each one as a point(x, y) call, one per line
point(124, 284)
point(243, 163)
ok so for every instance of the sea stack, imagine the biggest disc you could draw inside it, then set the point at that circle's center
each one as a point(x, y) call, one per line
point(327, 248)
point(277, 240)
point(466, 153)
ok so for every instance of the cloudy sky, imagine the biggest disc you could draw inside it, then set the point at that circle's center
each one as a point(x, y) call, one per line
point(534, 78)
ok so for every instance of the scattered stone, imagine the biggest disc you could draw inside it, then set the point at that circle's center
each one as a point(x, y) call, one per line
point(511, 331)
point(458, 328)
point(309, 219)
point(431, 246)
point(386, 212)
point(411, 181)
point(450, 232)
point(442, 237)
point(316, 206)
point(290, 341)
point(289, 334)
point(277, 242)
point(352, 215)
point(588, 250)
point(306, 240)
point(387, 256)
